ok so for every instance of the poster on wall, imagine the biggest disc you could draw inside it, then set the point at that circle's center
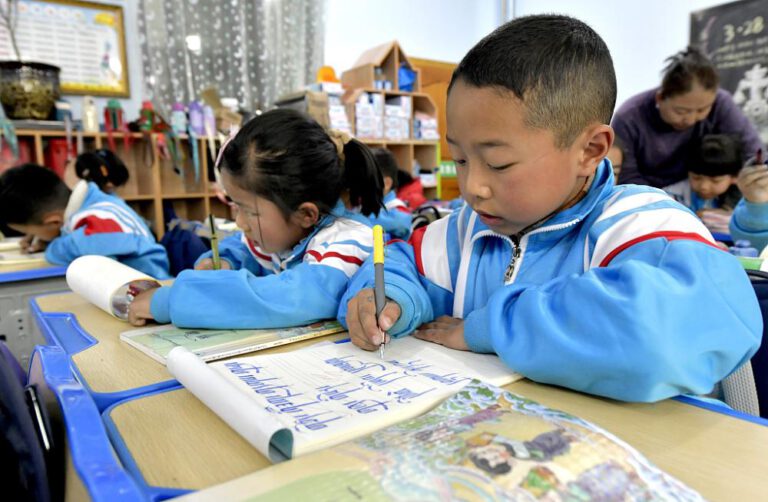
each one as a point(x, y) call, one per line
point(86, 40)
point(735, 37)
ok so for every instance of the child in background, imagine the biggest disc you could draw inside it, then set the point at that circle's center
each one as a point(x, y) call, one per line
point(395, 218)
point(72, 223)
point(710, 189)
point(103, 168)
point(299, 244)
point(612, 290)
point(750, 218)
point(409, 190)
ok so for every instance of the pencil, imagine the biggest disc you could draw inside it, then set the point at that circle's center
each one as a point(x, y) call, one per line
point(378, 267)
point(214, 244)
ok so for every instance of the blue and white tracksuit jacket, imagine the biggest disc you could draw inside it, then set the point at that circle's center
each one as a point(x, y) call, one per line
point(750, 222)
point(395, 218)
point(270, 290)
point(623, 295)
point(102, 224)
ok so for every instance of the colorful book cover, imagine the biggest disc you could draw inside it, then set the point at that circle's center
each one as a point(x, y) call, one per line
point(210, 345)
point(481, 444)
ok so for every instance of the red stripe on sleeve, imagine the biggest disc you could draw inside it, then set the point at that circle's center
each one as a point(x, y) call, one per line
point(96, 225)
point(670, 236)
point(415, 241)
point(332, 254)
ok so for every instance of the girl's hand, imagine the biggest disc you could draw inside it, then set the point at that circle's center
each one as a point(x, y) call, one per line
point(753, 183)
point(139, 311)
point(207, 264)
point(445, 330)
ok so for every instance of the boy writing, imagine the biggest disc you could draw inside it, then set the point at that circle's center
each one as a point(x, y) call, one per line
point(73, 223)
point(572, 281)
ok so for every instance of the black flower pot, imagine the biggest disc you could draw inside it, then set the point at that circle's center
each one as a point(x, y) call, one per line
point(28, 90)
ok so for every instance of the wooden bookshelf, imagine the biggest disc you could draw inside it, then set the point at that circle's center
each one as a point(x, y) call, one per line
point(153, 182)
point(382, 63)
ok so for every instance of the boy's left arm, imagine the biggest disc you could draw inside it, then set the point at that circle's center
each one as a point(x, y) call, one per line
point(65, 248)
point(664, 317)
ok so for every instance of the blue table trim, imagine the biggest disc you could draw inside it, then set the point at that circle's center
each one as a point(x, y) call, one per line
point(30, 275)
point(92, 455)
point(721, 409)
point(154, 493)
point(61, 329)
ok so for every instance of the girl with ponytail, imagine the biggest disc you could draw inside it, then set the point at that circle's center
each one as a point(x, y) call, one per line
point(288, 180)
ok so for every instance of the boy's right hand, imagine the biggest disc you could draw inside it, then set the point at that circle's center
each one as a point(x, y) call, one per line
point(361, 320)
point(30, 244)
point(207, 264)
point(753, 183)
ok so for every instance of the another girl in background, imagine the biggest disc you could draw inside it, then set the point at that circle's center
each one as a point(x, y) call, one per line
point(299, 246)
point(395, 218)
point(103, 168)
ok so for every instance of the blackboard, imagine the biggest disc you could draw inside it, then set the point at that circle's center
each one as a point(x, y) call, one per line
point(735, 37)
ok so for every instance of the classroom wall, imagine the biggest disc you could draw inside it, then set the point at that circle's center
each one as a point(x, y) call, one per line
point(640, 35)
point(432, 29)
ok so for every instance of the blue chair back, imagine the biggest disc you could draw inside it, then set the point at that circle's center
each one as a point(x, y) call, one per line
point(760, 359)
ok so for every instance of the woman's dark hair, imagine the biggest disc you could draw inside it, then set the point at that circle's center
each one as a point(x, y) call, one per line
point(102, 167)
point(288, 158)
point(686, 68)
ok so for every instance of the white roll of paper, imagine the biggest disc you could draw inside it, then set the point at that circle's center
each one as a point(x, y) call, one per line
point(100, 280)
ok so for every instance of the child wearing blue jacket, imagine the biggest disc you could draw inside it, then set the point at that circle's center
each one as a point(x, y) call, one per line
point(750, 218)
point(286, 177)
point(395, 218)
point(571, 280)
point(72, 223)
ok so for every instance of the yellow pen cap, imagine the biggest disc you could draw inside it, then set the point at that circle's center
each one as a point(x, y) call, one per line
point(378, 244)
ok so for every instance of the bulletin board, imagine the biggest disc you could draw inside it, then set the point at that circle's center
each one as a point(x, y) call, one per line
point(85, 39)
point(735, 37)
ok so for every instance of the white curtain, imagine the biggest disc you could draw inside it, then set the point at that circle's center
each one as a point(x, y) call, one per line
point(252, 50)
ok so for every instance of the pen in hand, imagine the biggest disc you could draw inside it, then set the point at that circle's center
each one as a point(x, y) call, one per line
point(378, 288)
point(214, 244)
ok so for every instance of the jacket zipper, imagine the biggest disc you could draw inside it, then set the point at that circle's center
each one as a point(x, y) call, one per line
point(516, 251)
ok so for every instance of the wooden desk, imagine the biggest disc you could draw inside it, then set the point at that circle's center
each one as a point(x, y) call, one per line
point(176, 441)
point(109, 366)
point(19, 283)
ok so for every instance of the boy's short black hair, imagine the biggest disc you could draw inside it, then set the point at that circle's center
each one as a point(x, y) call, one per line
point(29, 191)
point(716, 155)
point(557, 65)
point(387, 164)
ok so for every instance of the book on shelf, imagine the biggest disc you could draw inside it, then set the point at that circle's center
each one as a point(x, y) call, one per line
point(482, 443)
point(293, 403)
point(213, 344)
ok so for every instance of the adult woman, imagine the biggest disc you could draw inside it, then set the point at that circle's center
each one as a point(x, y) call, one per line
point(658, 127)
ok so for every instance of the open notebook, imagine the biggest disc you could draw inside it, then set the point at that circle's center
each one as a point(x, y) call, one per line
point(13, 256)
point(213, 344)
point(290, 404)
point(483, 443)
